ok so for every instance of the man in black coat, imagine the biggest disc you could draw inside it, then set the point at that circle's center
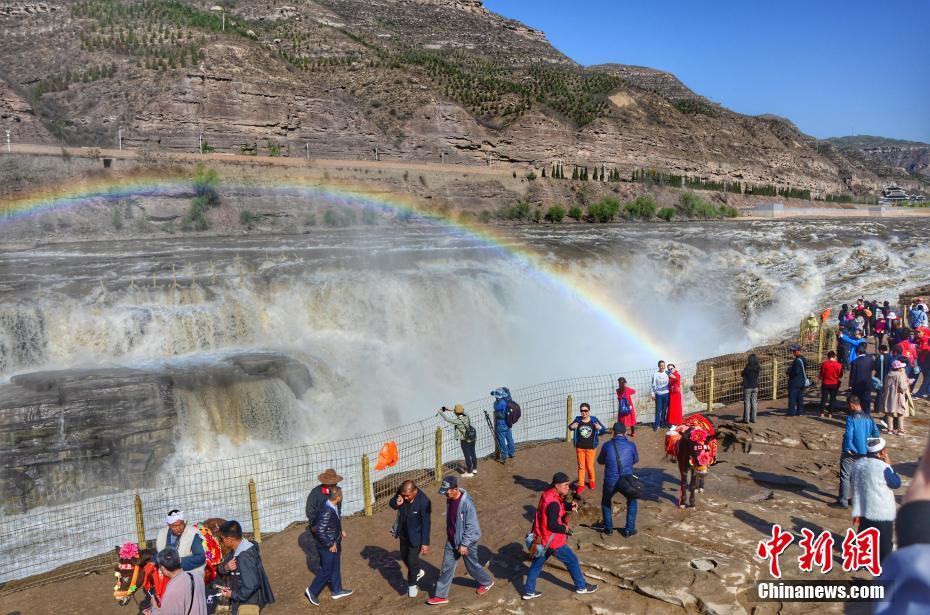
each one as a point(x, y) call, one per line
point(412, 529)
point(329, 544)
point(860, 377)
point(249, 590)
point(315, 502)
point(797, 381)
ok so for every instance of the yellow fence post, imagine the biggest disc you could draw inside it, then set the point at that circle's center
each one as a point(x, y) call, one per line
point(140, 523)
point(774, 379)
point(366, 485)
point(710, 394)
point(569, 408)
point(253, 505)
point(438, 472)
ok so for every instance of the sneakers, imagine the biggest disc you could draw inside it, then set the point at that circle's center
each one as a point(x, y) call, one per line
point(475, 471)
point(591, 485)
point(588, 589)
point(467, 474)
point(421, 574)
point(313, 599)
point(412, 591)
point(345, 593)
point(531, 595)
point(483, 589)
point(436, 600)
point(580, 489)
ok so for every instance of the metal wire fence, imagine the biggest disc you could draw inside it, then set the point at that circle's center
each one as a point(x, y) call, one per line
point(30, 542)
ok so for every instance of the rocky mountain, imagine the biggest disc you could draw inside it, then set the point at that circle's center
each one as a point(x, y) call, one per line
point(889, 157)
point(414, 80)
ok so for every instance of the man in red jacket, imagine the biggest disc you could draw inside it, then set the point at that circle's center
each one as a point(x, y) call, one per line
point(550, 532)
point(831, 372)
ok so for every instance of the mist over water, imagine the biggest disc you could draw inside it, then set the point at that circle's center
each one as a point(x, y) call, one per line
point(394, 322)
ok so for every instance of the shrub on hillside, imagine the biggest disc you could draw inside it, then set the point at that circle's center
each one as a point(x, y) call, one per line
point(604, 210)
point(642, 208)
point(695, 207)
point(666, 213)
point(555, 214)
point(575, 213)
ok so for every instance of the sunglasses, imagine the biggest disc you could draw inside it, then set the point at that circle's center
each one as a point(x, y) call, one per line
point(586, 409)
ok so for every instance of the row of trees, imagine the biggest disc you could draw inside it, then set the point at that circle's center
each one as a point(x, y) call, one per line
point(61, 82)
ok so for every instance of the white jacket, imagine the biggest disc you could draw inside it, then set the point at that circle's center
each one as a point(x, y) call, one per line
point(872, 497)
point(185, 542)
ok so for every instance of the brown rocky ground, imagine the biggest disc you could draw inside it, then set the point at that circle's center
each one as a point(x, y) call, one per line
point(779, 470)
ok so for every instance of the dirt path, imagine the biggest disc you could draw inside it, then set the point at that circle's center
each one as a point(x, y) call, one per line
point(779, 470)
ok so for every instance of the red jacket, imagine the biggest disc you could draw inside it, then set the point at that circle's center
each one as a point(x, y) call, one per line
point(831, 371)
point(541, 525)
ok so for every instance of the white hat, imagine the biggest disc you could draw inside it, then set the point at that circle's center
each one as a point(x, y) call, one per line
point(873, 445)
point(174, 516)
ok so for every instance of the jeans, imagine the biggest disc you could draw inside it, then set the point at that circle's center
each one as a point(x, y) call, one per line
point(410, 554)
point(846, 465)
point(609, 490)
point(828, 394)
point(661, 411)
point(450, 557)
point(885, 534)
point(468, 451)
point(750, 404)
point(505, 441)
point(565, 555)
point(795, 401)
point(330, 571)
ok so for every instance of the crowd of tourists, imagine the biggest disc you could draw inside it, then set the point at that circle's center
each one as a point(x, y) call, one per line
point(881, 388)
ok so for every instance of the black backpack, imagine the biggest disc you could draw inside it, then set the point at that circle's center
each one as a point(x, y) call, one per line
point(471, 434)
point(513, 413)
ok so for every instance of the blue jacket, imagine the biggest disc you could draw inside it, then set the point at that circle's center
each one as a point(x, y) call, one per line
point(907, 571)
point(859, 428)
point(853, 344)
point(629, 457)
point(797, 373)
point(415, 517)
point(328, 527)
point(597, 433)
point(467, 529)
point(500, 413)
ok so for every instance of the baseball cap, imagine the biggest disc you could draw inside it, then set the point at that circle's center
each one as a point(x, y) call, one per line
point(795, 347)
point(560, 477)
point(449, 482)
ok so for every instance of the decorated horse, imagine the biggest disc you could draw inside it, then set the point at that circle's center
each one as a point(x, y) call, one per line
point(138, 570)
point(693, 446)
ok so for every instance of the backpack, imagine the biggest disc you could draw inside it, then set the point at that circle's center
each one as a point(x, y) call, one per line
point(471, 434)
point(624, 407)
point(513, 413)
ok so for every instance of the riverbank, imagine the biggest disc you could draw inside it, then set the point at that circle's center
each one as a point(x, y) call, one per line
point(779, 470)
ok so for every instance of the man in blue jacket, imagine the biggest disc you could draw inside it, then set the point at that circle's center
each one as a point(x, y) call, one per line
point(797, 381)
point(859, 428)
point(505, 443)
point(412, 529)
point(329, 539)
point(619, 456)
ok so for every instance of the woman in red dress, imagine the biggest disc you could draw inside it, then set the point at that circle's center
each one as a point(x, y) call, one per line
point(626, 413)
point(674, 399)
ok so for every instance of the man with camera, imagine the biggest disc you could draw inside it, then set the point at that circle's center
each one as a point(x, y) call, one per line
point(549, 537)
point(412, 528)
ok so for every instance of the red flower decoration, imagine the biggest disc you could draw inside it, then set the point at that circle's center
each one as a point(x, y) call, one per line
point(698, 435)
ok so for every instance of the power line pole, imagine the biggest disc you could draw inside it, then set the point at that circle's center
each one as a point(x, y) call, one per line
point(308, 150)
point(120, 137)
point(200, 143)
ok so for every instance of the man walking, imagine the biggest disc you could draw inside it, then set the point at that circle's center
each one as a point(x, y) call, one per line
point(329, 544)
point(660, 393)
point(462, 534)
point(618, 456)
point(249, 590)
point(831, 373)
point(860, 377)
point(550, 532)
point(315, 503)
point(797, 381)
point(412, 529)
point(859, 428)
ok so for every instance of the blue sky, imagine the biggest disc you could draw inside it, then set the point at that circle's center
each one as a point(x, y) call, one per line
point(831, 67)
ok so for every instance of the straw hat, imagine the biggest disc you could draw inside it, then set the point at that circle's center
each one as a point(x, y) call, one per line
point(458, 409)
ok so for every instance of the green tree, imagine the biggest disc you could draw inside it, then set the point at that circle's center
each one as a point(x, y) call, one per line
point(555, 214)
point(575, 213)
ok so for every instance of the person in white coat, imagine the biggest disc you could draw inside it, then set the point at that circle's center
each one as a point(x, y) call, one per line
point(873, 503)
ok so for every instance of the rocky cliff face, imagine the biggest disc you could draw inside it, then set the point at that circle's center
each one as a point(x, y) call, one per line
point(414, 80)
point(889, 156)
point(17, 116)
point(72, 434)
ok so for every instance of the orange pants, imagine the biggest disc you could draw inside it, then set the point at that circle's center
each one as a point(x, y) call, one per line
point(585, 464)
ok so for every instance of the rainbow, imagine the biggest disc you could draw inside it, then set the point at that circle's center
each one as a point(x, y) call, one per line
point(580, 291)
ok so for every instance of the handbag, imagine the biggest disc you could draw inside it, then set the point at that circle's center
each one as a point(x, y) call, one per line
point(624, 407)
point(629, 486)
point(534, 547)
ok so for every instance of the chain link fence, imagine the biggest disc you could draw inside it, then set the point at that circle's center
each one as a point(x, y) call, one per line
point(48, 543)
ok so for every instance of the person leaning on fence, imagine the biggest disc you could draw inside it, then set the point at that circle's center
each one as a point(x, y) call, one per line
point(462, 534)
point(619, 456)
point(585, 431)
point(185, 539)
point(831, 373)
point(185, 593)
point(329, 536)
point(412, 528)
point(750, 376)
point(248, 589)
point(466, 434)
point(797, 382)
point(859, 428)
point(873, 504)
point(549, 536)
